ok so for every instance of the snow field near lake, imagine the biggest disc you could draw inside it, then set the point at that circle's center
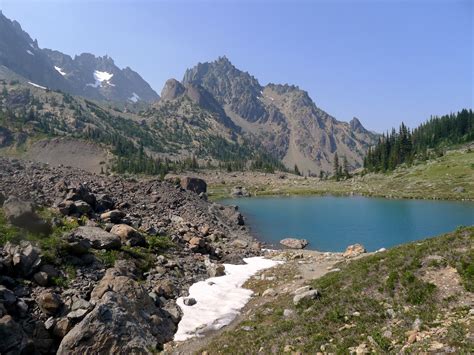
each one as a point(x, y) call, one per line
point(219, 299)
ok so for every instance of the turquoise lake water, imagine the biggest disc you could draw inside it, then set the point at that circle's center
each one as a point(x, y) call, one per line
point(332, 223)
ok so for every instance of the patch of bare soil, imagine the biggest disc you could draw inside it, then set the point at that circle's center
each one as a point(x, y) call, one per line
point(448, 284)
point(69, 152)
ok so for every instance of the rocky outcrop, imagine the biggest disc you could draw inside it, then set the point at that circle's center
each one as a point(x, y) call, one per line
point(125, 319)
point(294, 243)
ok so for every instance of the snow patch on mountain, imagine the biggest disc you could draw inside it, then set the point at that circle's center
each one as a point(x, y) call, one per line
point(60, 70)
point(37, 86)
point(101, 78)
point(29, 52)
point(134, 97)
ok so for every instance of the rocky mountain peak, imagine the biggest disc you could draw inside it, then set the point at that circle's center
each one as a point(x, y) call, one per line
point(230, 86)
point(356, 125)
point(172, 90)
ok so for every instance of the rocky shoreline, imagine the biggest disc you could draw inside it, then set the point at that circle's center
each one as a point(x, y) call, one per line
point(125, 250)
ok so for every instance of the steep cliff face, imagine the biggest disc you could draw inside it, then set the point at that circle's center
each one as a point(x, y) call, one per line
point(283, 118)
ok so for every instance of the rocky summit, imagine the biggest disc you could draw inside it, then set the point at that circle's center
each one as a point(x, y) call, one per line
point(283, 118)
point(117, 253)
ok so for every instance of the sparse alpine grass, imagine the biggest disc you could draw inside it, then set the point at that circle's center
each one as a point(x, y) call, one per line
point(434, 179)
point(374, 300)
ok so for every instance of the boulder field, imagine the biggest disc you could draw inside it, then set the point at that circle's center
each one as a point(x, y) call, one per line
point(94, 264)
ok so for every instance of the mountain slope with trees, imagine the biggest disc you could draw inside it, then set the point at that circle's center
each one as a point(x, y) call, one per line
point(432, 136)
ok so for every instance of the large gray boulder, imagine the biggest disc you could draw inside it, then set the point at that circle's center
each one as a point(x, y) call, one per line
point(294, 243)
point(125, 320)
point(22, 214)
point(23, 258)
point(96, 237)
point(193, 184)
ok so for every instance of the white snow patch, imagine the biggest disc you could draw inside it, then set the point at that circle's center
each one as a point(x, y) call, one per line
point(29, 52)
point(37, 86)
point(219, 299)
point(32, 45)
point(60, 70)
point(101, 78)
point(134, 97)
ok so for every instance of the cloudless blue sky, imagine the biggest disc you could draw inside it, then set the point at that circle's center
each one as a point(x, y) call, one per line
point(382, 61)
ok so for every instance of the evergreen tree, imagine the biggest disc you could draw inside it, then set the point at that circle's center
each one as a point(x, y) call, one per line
point(336, 167)
point(297, 171)
point(404, 146)
point(345, 165)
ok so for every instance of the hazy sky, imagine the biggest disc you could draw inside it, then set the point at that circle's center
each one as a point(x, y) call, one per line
point(382, 61)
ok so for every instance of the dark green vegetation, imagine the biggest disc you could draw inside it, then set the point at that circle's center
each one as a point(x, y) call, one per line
point(430, 138)
point(51, 245)
point(415, 296)
point(54, 248)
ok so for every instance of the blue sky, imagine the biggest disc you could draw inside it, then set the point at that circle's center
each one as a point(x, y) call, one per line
point(382, 61)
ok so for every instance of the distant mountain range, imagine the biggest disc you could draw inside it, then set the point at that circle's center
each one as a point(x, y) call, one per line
point(86, 75)
point(215, 107)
